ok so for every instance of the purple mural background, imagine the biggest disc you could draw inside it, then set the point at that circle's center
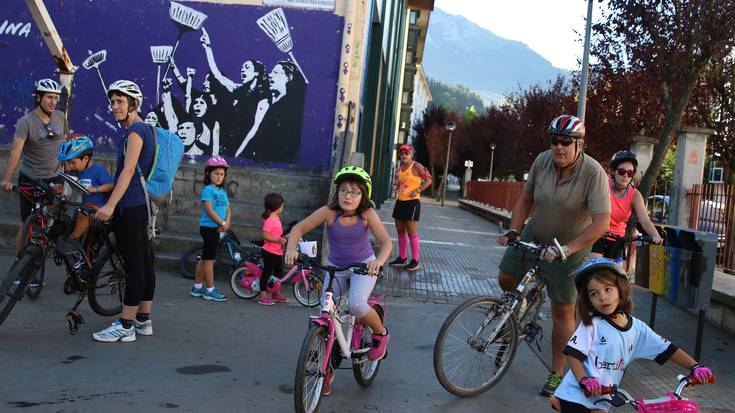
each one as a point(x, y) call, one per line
point(127, 29)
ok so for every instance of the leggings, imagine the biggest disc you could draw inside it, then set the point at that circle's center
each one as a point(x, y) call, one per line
point(272, 265)
point(357, 288)
point(130, 226)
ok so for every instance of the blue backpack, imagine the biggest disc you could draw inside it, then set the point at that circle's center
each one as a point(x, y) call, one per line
point(166, 159)
point(159, 184)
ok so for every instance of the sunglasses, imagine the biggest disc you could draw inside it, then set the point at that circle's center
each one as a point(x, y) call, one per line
point(564, 142)
point(50, 134)
point(623, 172)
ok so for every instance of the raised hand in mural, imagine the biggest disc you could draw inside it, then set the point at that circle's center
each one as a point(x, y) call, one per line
point(205, 39)
point(166, 84)
point(191, 72)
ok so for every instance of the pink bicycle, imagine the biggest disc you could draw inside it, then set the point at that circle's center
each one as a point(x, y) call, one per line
point(670, 403)
point(307, 284)
point(319, 354)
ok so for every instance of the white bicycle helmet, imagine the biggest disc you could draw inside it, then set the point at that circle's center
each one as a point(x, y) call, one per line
point(47, 86)
point(127, 88)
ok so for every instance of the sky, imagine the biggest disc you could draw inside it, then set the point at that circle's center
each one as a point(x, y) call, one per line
point(547, 27)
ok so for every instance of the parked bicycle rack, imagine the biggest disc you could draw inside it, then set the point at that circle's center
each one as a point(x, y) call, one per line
point(682, 270)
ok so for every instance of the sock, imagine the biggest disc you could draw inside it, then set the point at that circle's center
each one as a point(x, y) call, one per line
point(402, 246)
point(143, 317)
point(198, 286)
point(415, 247)
point(210, 289)
point(127, 324)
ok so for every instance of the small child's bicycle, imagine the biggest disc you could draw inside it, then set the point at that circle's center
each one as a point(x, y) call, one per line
point(319, 354)
point(670, 403)
point(307, 284)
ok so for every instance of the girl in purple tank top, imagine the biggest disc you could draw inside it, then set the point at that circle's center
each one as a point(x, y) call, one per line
point(350, 218)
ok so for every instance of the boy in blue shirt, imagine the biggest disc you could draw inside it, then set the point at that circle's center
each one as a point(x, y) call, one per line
point(76, 154)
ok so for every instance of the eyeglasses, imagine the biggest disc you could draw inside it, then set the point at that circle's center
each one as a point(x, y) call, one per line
point(564, 142)
point(623, 172)
point(351, 194)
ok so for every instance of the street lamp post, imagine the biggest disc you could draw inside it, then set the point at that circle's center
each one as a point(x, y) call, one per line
point(450, 127)
point(492, 158)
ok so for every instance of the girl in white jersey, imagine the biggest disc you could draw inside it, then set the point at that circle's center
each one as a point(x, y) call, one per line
point(609, 339)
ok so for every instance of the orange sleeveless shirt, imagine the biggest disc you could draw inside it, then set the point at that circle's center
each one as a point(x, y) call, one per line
point(407, 183)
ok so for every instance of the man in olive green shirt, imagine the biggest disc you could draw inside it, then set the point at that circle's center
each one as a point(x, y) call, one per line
point(568, 192)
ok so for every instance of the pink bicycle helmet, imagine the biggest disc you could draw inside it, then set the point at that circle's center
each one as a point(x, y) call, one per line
point(216, 162)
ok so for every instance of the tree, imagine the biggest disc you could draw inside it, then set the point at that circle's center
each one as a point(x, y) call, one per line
point(454, 97)
point(671, 42)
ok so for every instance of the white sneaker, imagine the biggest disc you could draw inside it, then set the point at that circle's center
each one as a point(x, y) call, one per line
point(115, 332)
point(144, 328)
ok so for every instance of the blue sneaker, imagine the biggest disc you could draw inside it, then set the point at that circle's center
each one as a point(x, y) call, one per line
point(197, 292)
point(215, 295)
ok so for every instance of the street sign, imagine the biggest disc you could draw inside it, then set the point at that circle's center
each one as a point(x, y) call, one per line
point(468, 164)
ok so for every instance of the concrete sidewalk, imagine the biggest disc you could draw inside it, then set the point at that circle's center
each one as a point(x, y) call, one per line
point(459, 259)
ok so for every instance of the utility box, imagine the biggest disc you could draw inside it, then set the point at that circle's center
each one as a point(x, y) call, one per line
point(682, 269)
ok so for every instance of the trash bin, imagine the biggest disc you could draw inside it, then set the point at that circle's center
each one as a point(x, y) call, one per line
point(683, 268)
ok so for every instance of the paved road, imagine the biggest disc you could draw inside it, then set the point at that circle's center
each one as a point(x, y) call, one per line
point(228, 357)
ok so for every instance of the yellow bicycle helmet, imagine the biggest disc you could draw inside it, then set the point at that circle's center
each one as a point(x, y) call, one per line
point(355, 171)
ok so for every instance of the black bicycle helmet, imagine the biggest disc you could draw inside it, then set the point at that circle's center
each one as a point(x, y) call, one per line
point(623, 156)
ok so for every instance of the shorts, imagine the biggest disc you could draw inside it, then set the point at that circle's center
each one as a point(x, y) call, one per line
point(210, 242)
point(26, 205)
point(559, 276)
point(571, 407)
point(407, 210)
point(608, 248)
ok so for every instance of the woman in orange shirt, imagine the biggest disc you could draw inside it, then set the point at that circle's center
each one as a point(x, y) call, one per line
point(410, 179)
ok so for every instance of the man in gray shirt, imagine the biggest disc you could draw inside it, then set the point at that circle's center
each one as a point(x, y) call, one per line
point(36, 140)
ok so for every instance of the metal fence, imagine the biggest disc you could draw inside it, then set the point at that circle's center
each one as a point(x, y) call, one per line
point(502, 195)
point(713, 210)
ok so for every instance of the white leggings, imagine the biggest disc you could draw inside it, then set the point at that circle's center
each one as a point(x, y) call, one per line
point(357, 287)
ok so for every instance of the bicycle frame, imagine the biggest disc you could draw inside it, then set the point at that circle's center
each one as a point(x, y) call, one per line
point(330, 318)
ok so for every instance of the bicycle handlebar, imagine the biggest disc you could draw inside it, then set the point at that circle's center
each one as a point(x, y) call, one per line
point(684, 381)
point(536, 249)
point(641, 239)
point(357, 268)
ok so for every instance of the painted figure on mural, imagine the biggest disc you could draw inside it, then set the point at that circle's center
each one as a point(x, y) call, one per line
point(278, 137)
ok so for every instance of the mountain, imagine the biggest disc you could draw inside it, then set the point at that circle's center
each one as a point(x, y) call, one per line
point(458, 51)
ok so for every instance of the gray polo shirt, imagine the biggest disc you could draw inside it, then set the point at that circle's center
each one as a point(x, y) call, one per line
point(564, 209)
point(40, 153)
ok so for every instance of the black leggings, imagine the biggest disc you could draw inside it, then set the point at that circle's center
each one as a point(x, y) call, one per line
point(272, 265)
point(130, 226)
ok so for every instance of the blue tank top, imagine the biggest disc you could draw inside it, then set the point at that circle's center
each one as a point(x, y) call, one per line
point(348, 243)
point(134, 195)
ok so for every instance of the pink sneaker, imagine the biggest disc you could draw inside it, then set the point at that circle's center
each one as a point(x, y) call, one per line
point(265, 300)
point(327, 384)
point(280, 298)
point(380, 346)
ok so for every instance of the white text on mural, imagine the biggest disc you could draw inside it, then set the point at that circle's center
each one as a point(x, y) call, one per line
point(15, 29)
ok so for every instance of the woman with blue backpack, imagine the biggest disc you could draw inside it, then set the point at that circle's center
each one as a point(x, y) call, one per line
point(128, 207)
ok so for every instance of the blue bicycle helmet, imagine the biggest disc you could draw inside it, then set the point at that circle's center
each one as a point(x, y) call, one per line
point(593, 265)
point(75, 148)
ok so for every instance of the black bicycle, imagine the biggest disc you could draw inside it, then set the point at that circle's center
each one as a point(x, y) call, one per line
point(478, 341)
point(96, 271)
point(230, 254)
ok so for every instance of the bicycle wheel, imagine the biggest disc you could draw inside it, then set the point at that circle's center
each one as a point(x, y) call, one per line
point(237, 288)
point(188, 262)
point(33, 222)
point(107, 283)
point(365, 370)
point(21, 270)
point(466, 361)
point(312, 296)
point(308, 383)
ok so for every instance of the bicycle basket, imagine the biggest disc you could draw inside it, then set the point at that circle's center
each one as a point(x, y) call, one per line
point(670, 404)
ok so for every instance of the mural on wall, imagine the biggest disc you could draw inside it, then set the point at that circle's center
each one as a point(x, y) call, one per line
point(254, 84)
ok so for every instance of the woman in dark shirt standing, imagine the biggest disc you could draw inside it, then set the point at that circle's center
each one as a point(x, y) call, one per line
point(128, 207)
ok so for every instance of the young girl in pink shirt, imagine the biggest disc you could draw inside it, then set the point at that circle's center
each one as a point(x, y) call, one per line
point(272, 248)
